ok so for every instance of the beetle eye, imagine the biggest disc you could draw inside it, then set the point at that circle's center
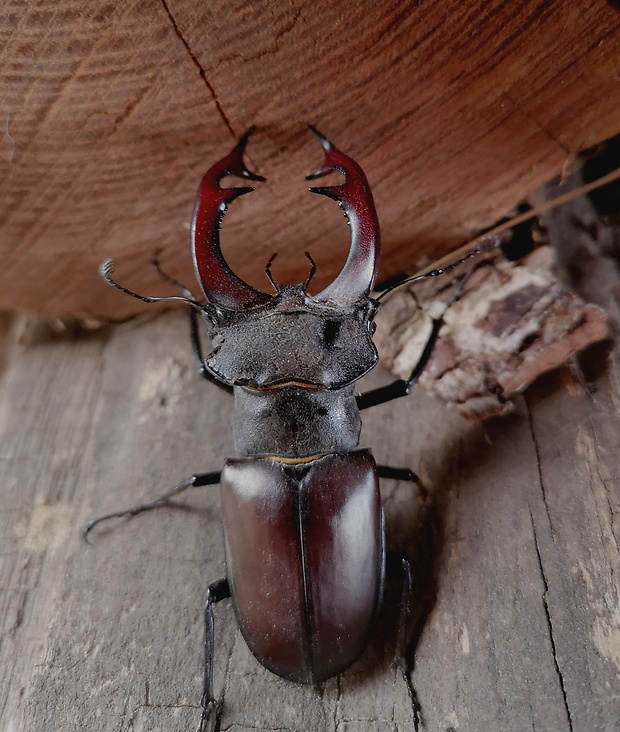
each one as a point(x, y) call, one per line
point(331, 332)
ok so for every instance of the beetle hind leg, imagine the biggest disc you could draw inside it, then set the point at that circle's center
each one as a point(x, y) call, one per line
point(216, 592)
point(400, 562)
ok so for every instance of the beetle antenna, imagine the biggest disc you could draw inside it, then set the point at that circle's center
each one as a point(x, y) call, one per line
point(312, 270)
point(492, 235)
point(107, 267)
point(268, 272)
point(485, 246)
point(171, 280)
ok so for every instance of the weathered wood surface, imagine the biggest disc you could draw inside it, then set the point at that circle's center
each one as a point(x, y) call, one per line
point(514, 537)
point(110, 112)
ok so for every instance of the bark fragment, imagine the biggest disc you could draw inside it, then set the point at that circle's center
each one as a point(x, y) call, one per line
point(513, 322)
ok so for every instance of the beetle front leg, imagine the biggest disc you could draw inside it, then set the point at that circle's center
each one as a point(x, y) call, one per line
point(199, 353)
point(402, 387)
point(216, 592)
point(197, 480)
point(197, 348)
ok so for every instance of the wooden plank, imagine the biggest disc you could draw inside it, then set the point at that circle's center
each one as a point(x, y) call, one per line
point(513, 534)
point(109, 116)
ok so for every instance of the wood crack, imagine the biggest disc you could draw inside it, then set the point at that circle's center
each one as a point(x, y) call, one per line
point(133, 104)
point(249, 58)
point(550, 624)
point(541, 482)
point(7, 147)
point(261, 728)
point(416, 707)
point(337, 703)
point(545, 131)
point(199, 66)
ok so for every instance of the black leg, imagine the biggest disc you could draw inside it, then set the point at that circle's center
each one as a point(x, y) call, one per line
point(216, 592)
point(199, 353)
point(402, 387)
point(197, 348)
point(197, 480)
point(386, 471)
point(400, 562)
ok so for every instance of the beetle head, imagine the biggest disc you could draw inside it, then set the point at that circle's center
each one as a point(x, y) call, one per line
point(261, 340)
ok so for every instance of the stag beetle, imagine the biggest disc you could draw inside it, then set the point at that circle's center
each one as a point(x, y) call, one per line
point(302, 515)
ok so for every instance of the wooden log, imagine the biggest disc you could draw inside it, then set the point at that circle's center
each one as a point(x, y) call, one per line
point(110, 114)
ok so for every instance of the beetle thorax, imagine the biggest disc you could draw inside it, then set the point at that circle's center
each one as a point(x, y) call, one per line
point(292, 338)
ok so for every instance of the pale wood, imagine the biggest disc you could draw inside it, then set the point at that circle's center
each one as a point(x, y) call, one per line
point(110, 112)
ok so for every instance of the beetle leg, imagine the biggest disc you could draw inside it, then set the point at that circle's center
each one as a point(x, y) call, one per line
point(387, 471)
point(199, 353)
point(216, 592)
point(402, 387)
point(197, 348)
point(197, 480)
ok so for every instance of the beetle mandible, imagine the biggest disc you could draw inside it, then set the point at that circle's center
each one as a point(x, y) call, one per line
point(302, 515)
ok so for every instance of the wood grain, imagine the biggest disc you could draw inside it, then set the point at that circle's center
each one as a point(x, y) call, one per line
point(110, 112)
point(513, 535)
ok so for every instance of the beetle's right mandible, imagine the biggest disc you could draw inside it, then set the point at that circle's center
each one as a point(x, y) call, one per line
point(219, 283)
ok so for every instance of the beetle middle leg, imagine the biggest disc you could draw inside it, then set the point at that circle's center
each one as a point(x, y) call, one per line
point(196, 481)
point(387, 471)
